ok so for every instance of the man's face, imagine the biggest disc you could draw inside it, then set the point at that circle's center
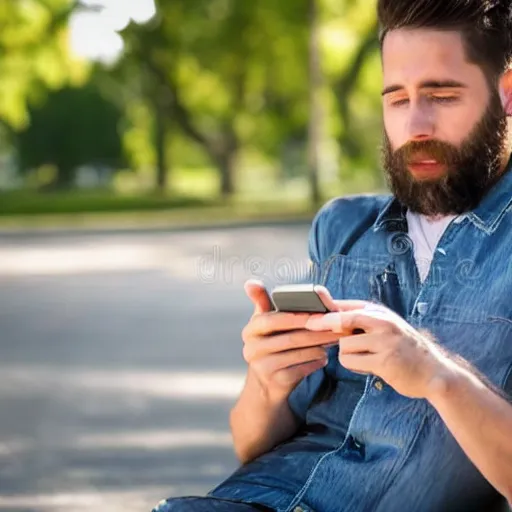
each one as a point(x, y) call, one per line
point(445, 130)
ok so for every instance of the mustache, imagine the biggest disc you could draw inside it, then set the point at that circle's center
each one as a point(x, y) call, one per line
point(442, 152)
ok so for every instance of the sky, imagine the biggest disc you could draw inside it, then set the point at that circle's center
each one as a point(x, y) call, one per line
point(94, 34)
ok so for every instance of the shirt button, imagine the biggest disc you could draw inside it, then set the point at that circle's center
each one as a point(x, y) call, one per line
point(422, 308)
point(378, 385)
point(298, 509)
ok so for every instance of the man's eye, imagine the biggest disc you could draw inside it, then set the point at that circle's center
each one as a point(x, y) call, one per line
point(399, 103)
point(444, 99)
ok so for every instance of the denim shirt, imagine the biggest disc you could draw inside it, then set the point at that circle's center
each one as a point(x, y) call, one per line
point(361, 445)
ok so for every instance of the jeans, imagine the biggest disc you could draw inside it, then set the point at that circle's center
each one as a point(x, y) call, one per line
point(206, 504)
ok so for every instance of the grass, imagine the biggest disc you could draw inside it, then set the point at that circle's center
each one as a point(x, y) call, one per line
point(192, 203)
point(128, 213)
point(29, 203)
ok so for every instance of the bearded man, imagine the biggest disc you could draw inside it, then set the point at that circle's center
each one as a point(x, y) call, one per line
point(414, 414)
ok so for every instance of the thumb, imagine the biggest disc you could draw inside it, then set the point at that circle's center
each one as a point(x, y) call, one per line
point(258, 294)
point(338, 305)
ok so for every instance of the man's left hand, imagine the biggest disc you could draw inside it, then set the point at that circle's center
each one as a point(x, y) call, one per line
point(390, 348)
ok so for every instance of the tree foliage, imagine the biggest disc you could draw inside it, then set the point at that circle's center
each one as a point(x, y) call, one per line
point(234, 76)
point(34, 55)
point(215, 81)
point(229, 75)
point(74, 127)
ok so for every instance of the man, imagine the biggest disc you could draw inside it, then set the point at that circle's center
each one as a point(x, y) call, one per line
point(414, 414)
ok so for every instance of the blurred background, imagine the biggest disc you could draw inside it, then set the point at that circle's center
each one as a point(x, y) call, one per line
point(155, 154)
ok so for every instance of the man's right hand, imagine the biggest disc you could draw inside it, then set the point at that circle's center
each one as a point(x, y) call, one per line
point(279, 350)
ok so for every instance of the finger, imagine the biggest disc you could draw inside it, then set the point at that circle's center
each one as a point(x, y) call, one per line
point(361, 344)
point(368, 322)
point(325, 297)
point(293, 358)
point(349, 305)
point(272, 323)
point(338, 305)
point(359, 363)
point(259, 296)
point(285, 342)
point(298, 372)
point(348, 321)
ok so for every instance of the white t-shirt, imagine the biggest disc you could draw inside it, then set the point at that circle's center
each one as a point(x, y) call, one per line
point(425, 232)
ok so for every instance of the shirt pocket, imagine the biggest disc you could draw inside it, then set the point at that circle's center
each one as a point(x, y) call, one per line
point(503, 317)
point(350, 277)
point(354, 278)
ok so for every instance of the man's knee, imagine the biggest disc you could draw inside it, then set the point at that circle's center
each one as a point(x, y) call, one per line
point(180, 505)
point(202, 504)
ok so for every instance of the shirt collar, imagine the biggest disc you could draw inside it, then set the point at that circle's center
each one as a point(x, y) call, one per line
point(392, 216)
point(486, 216)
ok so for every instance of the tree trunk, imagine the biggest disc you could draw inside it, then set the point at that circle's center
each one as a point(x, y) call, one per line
point(65, 179)
point(160, 146)
point(315, 108)
point(227, 167)
point(161, 101)
point(346, 85)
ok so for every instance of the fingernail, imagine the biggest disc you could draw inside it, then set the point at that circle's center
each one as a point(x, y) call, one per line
point(323, 322)
point(321, 289)
point(314, 322)
point(331, 320)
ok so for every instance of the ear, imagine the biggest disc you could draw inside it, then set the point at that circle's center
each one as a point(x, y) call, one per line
point(506, 91)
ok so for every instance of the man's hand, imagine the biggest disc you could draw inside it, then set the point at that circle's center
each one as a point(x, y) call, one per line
point(279, 350)
point(407, 360)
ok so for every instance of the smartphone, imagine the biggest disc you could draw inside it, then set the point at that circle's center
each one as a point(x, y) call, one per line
point(300, 298)
point(297, 298)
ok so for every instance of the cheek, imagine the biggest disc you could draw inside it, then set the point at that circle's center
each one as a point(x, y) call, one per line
point(394, 131)
point(455, 125)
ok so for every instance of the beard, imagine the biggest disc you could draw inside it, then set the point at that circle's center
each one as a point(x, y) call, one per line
point(472, 169)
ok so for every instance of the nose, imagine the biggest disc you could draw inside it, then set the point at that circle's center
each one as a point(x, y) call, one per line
point(421, 123)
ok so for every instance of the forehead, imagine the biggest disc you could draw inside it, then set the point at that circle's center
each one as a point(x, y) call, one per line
point(411, 55)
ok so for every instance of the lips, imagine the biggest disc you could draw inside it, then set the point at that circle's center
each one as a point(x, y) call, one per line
point(425, 162)
point(427, 168)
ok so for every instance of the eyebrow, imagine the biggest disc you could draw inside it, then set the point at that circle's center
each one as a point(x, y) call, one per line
point(429, 84)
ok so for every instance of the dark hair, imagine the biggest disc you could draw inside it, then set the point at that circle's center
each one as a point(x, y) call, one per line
point(486, 26)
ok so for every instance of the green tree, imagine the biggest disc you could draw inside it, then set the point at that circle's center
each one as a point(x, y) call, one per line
point(229, 75)
point(352, 65)
point(315, 112)
point(34, 55)
point(74, 127)
point(239, 77)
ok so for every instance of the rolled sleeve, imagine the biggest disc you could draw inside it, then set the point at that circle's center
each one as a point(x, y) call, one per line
point(508, 383)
